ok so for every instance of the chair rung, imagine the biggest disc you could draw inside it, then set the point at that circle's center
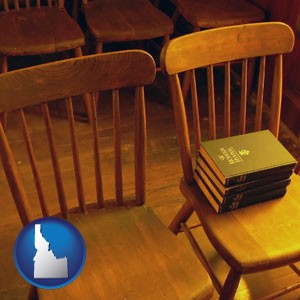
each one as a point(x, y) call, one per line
point(295, 269)
point(283, 291)
point(192, 227)
point(200, 255)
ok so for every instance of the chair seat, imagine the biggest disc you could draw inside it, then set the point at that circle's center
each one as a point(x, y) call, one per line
point(38, 31)
point(132, 255)
point(216, 13)
point(257, 237)
point(129, 20)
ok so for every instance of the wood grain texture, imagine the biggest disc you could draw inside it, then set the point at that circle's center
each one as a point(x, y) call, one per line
point(227, 97)
point(140, 137)
point(262, 236)
point(182, 131)
point(76, 156)
point(33, 163)
point(259, 237)
point(211, 103)
point(260, 93)
point(130, 253)
point(163, 194)
point(133, 256)
point(276, 96)
point(117, 147)
point(214, 13)
point(38, 31)
point(55, 161)
point(74, 77)
point(243, 106)
point(14, 179)
point(96, 150)
point(196, 118)
point(225, 44)
point(129, 20)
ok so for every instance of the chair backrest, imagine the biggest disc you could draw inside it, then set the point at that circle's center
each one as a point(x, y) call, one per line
point(40, 85)
point(223, 46)
point(9, 5)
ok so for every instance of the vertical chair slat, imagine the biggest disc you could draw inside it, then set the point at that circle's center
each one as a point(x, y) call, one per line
point(140, 145)
point(243, 108)
point(260, 93)
point(196, 117)
point(4, 69)
point(276, 96)
point(55, 163)
point(98, 176)
point(182, 132)
point(14, 179)
point(227, 109)
point(38, 3)
point(33, 163)
point(75, 152)
point(49, 3)
point(6, 5)
point(117, 147)
point(211, 103)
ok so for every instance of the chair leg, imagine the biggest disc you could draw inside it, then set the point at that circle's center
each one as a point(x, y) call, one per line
point(181, 217)
point(86, 96)
point(32, 294)
point(4, 69)
point(230, 286)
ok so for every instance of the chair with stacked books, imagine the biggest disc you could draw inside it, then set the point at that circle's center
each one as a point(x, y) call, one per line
point(261, 236)
point(130, 253)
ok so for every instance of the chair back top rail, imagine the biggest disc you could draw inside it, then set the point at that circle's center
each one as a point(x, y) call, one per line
point(219, 45)
point(73, 77)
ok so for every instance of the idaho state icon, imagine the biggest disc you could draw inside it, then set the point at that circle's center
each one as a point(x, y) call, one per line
point(49, 253)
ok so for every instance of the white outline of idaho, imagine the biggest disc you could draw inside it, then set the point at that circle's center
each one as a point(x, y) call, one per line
point(46, 265)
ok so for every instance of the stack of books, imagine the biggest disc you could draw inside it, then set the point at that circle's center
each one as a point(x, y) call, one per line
point(243, 170)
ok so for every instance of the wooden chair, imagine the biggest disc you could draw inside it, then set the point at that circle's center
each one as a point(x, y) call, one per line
point(37, 29)
point(215, 13)
point(130, 254)
point(203, 14)
point(125, 20)
point(259, 237)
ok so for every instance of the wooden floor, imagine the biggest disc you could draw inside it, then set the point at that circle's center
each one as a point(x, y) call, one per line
point(163, 174)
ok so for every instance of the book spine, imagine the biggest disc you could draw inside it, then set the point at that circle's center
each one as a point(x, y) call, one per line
point(229, 206)
point(256, 175)
point(205, 172)
point(244, 196)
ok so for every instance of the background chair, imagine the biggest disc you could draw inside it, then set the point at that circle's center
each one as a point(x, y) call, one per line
point(262, 236)
point(35, 30)
point(129, 252)
point(203, 14)
point(123, 21)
